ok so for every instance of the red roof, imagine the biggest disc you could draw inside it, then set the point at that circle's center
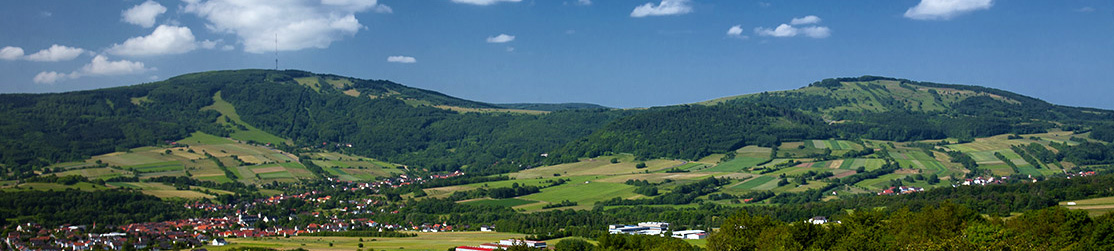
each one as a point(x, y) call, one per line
point(467, 248)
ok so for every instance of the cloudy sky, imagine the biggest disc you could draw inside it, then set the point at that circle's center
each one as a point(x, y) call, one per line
point(617, 53)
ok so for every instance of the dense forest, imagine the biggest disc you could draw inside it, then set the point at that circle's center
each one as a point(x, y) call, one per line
point(109, 207)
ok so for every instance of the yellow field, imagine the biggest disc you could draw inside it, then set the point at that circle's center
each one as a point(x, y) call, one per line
point(424, 241)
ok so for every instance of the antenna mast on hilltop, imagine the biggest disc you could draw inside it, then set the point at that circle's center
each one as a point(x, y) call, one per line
point(276, 51)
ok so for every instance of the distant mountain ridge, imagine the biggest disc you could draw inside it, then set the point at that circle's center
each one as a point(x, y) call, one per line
point(412, 126)
point(552, 107)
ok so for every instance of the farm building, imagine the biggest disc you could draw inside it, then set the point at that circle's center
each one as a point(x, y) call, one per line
point(644, 228)
point(528, 243)
point(818, 220)
point(690, 234)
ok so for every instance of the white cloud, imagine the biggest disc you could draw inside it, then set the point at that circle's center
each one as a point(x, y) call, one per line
point(210, 44)
point(945, 9)
point(49, 77)
point(56, 53)
point(501, 38)
point(11, 53)
point(164, 40)
point(298, 24)
point(735, 30)
point(143, 14)
point(816, 31)
point(384, 9)
point(402, 59)
point(227, 48)
point(665, 8)
point(484, 2)
point(584, 2)
point(99, 66)
point(783, 30)
point(810, 19)
point(1085, 9)
point(510, 49)
point(789, 30)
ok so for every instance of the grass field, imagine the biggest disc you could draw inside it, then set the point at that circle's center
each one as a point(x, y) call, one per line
point(96, 173)
point(251, 134)
point(83, 186)
point(164, 191)
point(354, 168)
point(200, 138)
point(596, 166)
point(586, 194)
point(736, 165)
point(424, 241)
point(157, 167)
point(754, 183)
point(881, 182)
point(511, 202)
point(868, 164)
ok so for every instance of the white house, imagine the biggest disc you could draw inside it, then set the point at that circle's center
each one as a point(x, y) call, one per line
point(690, 234)
point(219, 242)
point(818, 220)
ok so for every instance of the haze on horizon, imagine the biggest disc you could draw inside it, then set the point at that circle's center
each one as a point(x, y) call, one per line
point(616, 53)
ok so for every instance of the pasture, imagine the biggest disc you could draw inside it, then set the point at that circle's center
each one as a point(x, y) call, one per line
point(586, 194)
point(739, 164)
point(165, 191)
point(228, 112)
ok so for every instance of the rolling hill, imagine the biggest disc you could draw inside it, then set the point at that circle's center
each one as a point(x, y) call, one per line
point(390, 122)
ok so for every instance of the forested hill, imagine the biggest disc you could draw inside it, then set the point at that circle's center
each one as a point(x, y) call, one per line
point(379, 119)
point(427, 129)
point(866, 107)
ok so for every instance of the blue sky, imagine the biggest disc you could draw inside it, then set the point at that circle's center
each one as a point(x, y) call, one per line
point(616, 53)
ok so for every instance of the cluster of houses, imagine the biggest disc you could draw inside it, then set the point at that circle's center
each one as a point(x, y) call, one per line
point(194, 232)
point(503, 245)
point(901, 190)
point(655, 228)
point(1080, 174)
point(31, 236)
point(981, 181)
point(395, 182)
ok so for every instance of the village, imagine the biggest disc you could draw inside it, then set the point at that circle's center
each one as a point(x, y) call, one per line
point(235, 223)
